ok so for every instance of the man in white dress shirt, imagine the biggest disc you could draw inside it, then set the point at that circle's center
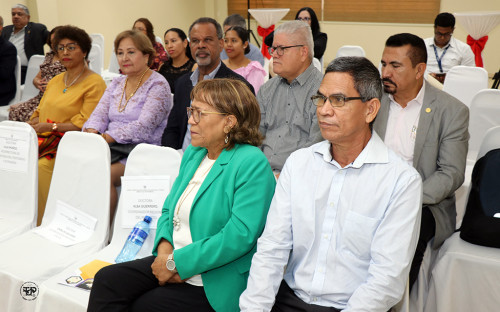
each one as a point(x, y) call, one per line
point(445, 51)
point(344, 220)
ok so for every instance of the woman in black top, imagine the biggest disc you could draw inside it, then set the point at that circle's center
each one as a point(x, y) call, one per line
point(180, 61)
point(307, 15)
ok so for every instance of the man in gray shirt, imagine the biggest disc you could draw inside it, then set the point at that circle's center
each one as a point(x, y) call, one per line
point(288, 115)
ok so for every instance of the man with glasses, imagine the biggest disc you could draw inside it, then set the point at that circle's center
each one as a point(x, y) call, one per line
point(429, 129)
point(28, 37)
point(206, 43)
point(445, 51)
point(329, 242)
point(288, 116)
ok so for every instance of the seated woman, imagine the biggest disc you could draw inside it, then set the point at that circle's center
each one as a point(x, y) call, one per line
point(236, 46)
point(180, 61)
point(67, 103)
point(135, 107)
point(144, 25)
point(211, 219)
point(50, 67)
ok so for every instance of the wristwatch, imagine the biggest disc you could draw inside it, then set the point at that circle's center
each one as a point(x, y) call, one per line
point(171, 263)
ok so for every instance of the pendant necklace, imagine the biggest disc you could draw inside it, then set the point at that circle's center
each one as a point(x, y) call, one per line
point(192, 184)
point(120, 108)
point(74, 80)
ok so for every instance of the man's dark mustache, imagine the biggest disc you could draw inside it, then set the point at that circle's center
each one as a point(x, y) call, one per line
point(388, 80)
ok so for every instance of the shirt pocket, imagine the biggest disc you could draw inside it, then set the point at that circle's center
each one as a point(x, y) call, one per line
point(357, 235)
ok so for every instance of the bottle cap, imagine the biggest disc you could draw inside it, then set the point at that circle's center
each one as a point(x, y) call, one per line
point(147, 219)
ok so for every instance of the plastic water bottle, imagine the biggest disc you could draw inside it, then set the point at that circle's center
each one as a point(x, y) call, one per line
point(134, 241)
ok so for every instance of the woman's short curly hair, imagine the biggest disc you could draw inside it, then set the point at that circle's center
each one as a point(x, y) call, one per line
point(233, 97)
point(76, 34)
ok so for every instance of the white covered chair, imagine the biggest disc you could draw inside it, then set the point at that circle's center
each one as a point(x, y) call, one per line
point(144, 160)
point(80, 179)
point(29, 90)
point(113, 63)
point(98, 39)
point(463, 82)
point(19, 187)
point(350, 50)
point(4, 110)
point(95, 59)
point(466, 276)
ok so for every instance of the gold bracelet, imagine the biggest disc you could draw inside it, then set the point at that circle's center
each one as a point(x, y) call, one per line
point(54, 127)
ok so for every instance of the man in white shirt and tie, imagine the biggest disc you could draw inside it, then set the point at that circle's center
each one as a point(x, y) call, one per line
point(330, 238)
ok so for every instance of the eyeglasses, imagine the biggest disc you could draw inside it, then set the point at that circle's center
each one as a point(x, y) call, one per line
point(196, 113)
point(336, 100)
point(304, 19)
point(446, 35)
point(69, 46)
point(281, 50)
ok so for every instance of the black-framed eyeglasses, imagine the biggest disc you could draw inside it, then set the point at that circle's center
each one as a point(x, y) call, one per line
point(445, 35)
point(281, 50)
point(197, 113)
point(336, 100)
point(304, 19)
point(69, 46)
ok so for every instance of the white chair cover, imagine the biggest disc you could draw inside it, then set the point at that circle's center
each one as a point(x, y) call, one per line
point(350, 50)
point(18, 196)
point(466, 276)
point(463, 82)
point(317, 64)
point(113, 64)
point(95, 58)
point(158, 39)
point(478, 24)
point(30, 91)
point(81, 179)
point(99, 40)
point(4, 110)
point(144, 160)
point(268, 17)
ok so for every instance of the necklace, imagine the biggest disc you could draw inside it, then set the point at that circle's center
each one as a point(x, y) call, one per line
point(66, 80)
point(192, 185)
point(120, 108)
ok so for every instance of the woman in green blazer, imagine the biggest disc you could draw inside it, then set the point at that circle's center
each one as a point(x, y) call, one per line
point(211, 219)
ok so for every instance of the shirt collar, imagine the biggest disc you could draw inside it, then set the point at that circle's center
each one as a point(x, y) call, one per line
point(304, 77)
point(418, 100)
point(448, 45)
point(211, 75)
point(375, 152)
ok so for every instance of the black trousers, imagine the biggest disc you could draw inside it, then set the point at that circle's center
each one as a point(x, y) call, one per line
point(287, 301)
point(427, 232)
point(131, 286)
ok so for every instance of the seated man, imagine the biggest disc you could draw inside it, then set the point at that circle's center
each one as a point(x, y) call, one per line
point(337, 209)
point(8, 60)
point(205, 35)
point(288, 116)
point(28, 37)
point(429, 129)
point(445, 51)
point(238, 20)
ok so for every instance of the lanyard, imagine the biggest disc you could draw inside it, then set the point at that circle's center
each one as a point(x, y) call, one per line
point(440, 58)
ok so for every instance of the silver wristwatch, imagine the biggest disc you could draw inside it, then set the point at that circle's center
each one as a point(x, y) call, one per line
point(171, 263)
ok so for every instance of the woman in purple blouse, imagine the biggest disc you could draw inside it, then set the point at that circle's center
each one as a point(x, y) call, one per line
point(135, 107)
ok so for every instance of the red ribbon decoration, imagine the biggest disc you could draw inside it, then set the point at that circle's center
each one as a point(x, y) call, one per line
point(264, 32)
point(477, 47)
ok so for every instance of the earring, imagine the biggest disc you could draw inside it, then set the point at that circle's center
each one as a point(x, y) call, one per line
point(227, 138)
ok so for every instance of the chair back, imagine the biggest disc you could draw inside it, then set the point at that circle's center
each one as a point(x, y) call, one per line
point(30, 91)
point(146, 160)
point(96, 59)
point(99, 40)
point(350, 50)
point(18, 189)
point(463, 82)
point(490, 141)
point(81, 179)
point(158, 39)
point(114, 67)
point(484, 114)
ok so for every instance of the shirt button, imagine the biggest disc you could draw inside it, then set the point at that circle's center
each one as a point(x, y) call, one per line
point(325, 236)
point(331, 204)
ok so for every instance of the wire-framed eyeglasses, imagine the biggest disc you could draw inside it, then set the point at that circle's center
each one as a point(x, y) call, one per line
point(336, 100)
point(197, 113)
point(281, 50)
point(69, 46)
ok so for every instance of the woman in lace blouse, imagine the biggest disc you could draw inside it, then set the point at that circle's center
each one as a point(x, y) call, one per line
point(135, 107)
point(180, 61)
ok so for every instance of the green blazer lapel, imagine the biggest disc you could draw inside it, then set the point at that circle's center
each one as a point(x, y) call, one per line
point(215, 172)
point(426, 114)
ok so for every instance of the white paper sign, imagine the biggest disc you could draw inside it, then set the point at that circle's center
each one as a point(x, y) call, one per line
point(70, 226)
point(14, 149)
point(143, 196)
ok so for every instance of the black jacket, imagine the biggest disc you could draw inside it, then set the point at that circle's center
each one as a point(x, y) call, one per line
point(8, 60)
point(35, 38)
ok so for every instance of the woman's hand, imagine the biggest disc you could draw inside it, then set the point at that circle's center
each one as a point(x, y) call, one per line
point(159, 268)
point(40, 83)
point(175, 279)
point(108, 138)
point(42, 127)
point(90, 130)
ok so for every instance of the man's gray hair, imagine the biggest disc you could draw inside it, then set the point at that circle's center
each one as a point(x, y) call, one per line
point(235, 20)
point(208, 20)
point(365, 75)
point(299, 33)
point(23, 7)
